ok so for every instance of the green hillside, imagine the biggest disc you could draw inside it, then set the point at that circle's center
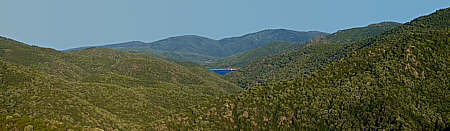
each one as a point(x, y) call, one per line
point(305, 57)
point(398, 80)
point(100, 87)
point(173, 55)
point(14, 122)
point(261, 38)
point(244, 58)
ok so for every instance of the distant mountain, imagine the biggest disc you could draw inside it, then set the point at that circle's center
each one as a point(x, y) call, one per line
point(99, 87)
point(301, 58)
point(258, 39)
point(126, 44)
point(190, 44)
point(397, 80)
point(202, 50)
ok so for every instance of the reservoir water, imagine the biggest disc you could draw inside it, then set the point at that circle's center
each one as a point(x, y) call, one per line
point(222, 71)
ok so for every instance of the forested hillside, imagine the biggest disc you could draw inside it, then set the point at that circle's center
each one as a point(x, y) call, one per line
point(15, 122)
point(173, 55)
point(244, 58)
point(100, 87)
point(306, 57)
point(386, 76)
point(261, 38)
point(397, 80)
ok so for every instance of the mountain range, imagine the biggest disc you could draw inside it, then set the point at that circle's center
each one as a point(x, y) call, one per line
point(384, 76)
point(203, 50)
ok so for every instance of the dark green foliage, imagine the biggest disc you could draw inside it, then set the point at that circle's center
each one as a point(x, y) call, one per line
point(104, 65)
point(258, 39)
point(384, 76)
point(306, 57)
point(173, 55)
point(100, 87)
point(397, 80)
point(9, 122)
point(244, 58)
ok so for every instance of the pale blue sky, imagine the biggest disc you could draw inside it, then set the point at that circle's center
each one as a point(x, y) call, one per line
point(64, 24)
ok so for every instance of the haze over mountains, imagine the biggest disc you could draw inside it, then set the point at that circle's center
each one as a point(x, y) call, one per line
point(201, 49)
point(384, 76)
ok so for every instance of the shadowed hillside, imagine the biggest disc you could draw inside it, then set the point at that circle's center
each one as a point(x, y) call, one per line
point(242, 59)
point(297, 59)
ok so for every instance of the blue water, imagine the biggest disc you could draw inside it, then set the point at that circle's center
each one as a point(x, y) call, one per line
point(223, 72)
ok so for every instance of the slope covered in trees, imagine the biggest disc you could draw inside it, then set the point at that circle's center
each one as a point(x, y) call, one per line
point(15, 122)
point(244, 58)
point(174, 55)
point(261, 38)
point(203, 50)
point(397, 80)
point(305, 57)
point(100, 87)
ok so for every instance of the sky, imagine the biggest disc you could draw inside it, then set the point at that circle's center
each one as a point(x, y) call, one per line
point(64, 24)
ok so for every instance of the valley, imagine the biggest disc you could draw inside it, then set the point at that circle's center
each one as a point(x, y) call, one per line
point(382, 76)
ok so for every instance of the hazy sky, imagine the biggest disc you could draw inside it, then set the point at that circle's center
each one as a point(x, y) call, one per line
point(63, 24)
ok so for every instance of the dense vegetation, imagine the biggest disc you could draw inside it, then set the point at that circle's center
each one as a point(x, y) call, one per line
point(204, 50)
point(299, 59)
point(15, 122)
point(383, 76)
point(244, 58)
point(174, 55)
point(397, 80)
point(258, 39)
point(100, 87)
